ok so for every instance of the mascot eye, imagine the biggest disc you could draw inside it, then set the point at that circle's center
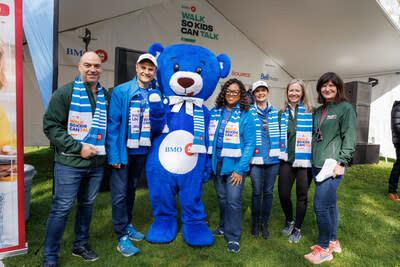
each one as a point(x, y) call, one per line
point(198, 70)
point(176, 67)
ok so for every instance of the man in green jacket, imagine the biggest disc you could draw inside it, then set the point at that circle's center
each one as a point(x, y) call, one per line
point(75, 122)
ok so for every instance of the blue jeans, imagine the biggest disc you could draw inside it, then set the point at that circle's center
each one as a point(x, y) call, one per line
point(71, 183)
point(123, 184)
point(263, 180)
point(325, 207)
point(230, 205)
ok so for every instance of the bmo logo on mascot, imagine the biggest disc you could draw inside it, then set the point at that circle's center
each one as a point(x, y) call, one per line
point(174, 152)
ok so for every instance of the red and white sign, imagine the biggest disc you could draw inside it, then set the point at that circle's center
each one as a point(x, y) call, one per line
point(12, 212)
point(102, 54)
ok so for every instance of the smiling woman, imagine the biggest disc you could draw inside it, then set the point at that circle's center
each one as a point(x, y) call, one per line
point(264, 163)
point(232, 142)
point(296, 130)
point(334, 138)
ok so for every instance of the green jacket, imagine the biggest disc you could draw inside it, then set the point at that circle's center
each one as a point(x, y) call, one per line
point(55, 121)
point(291, 134)
point(339, 133)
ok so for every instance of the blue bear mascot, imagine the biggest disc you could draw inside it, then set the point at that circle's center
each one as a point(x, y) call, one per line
point(177, 162)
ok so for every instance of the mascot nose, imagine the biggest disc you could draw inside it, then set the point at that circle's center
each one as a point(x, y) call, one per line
point(185, 82)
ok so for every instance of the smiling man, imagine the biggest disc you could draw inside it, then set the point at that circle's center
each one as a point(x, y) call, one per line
point(128, 143)
point(75, 122)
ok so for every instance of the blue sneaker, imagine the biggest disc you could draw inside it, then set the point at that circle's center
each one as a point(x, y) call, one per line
point(133, 234)
point(233, 246)
point(126, 247)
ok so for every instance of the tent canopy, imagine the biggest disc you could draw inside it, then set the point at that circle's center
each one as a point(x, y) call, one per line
point(355, 38)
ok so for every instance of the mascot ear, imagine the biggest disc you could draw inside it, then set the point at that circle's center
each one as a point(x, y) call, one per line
point(156, 49)
point(224, 65)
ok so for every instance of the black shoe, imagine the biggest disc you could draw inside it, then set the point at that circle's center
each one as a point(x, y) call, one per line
point(264, 229)
point(255, 230)
point(85, 252)
point(217, 232)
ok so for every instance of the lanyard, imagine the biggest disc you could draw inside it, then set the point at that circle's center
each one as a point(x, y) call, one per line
point(322, 117)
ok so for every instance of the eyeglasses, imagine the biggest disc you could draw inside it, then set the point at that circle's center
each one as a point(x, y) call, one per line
point(234, 93)
point(318, 134)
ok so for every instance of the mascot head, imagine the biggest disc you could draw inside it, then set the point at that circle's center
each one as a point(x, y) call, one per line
point(189, 70)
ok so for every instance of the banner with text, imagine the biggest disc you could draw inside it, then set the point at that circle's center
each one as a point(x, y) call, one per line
point(12, 217)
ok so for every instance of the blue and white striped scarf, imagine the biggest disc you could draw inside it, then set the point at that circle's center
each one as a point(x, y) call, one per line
point(193, 107)
point(81, 125)
point(136, 136)
point(231, 141)
point(273, 134)
point(302, 153)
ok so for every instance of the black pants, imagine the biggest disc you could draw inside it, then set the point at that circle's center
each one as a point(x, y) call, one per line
point(394, 175)
point(287, 176)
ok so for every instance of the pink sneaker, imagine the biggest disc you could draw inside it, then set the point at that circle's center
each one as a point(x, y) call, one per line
point(319, 255)
point(334, 246)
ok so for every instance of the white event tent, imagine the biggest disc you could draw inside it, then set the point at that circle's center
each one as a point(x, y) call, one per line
point(265, 39)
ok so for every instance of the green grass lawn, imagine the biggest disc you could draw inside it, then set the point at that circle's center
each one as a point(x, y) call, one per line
point(369, 227)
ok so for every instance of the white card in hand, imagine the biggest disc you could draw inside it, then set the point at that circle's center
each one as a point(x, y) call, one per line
point(327, 170)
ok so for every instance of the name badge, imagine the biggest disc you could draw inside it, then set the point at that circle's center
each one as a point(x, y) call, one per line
point(331, 117)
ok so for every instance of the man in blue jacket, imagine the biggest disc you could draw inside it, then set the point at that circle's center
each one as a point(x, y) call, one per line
point(128, 143)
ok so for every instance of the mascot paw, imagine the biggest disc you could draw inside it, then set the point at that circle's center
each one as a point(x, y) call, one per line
point(197, 234)
point(162, 230)
point(157, 107)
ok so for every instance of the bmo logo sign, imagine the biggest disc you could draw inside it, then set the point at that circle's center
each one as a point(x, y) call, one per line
point(174, 152)
point(173, 149)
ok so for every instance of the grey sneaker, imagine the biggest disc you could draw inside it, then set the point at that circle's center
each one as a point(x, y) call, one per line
point(287, 230)
point(295, 236)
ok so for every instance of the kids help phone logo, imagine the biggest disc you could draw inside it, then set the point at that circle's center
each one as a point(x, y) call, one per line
point(194, 25)
point(174, 152)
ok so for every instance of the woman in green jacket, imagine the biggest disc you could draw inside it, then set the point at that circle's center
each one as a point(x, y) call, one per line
point(334, 140)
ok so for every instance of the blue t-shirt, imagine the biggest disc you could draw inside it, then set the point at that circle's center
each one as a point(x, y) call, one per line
point(141, 150)
point(226, 114)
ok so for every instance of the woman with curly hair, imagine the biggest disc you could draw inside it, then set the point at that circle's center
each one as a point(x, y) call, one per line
point(232, 142)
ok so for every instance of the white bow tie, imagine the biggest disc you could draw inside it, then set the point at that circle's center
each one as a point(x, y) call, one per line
point(178, 101)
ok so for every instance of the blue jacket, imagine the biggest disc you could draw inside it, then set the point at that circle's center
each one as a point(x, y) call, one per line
point(247, 132)
point(117, 124)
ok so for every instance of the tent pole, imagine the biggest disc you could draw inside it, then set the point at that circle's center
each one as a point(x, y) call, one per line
point(55, 46)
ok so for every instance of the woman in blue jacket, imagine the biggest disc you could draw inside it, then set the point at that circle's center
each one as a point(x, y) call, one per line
point(265, 161)
point(232, 142)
